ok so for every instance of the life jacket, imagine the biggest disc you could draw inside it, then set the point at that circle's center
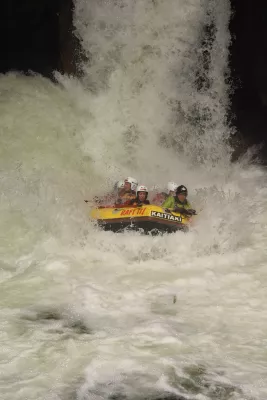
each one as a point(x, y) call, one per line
point(137, 202)
point(126, 197)
point(185, 204)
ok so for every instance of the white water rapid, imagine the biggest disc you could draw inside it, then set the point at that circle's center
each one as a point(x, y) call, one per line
point(92, 315)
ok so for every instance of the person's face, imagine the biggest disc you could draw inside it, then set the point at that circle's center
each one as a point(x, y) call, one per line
point(127, 186)
point(182, 197)
point(142, 196)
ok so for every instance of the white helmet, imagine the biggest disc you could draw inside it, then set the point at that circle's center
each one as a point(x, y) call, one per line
point(142, 188)
point(133, 182)
point(172, 186)
point(120, 185)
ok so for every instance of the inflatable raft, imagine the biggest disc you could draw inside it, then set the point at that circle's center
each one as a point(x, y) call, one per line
point(147, 218)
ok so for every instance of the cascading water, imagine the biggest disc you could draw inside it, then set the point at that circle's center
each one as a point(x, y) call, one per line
point(88, 314)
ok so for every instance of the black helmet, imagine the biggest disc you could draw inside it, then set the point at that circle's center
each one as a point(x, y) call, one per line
point(181, 190)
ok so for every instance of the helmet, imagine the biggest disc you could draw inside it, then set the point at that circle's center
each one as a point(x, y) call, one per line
point(142, 188)
point(120, 185)
point(181, 189)
point(133, 182)
point(172, 186)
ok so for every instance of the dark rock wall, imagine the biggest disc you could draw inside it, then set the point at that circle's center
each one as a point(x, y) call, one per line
point(37, 35)
point(70, 52)
point(30, 35)
point(249, 70)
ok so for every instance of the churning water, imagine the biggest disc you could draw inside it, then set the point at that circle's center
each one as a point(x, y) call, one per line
point(87, 314)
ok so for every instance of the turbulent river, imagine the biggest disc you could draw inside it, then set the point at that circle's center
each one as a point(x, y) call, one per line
point(87, 314)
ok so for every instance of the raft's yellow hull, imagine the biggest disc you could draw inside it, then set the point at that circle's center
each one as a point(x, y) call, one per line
point(149, 218)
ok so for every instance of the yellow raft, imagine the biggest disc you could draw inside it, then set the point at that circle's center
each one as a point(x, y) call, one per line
point(147, 218)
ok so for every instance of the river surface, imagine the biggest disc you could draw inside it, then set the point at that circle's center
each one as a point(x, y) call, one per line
point(93, 315)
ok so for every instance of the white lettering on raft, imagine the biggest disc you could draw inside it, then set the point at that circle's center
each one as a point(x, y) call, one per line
point(169, 217)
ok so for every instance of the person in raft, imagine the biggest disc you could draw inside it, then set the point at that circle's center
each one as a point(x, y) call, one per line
point(179, 202)
point(160, 197)
point(111, 197)
point(141, 196)
point(127, 191)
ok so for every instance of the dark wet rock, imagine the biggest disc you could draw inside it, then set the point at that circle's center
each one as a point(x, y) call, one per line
point(248, 62)
point(162, 396)
point(118, 397)
point(31, 36)
point(195, 380)
point(48, 315)
point(66, 321)
point(39, 315)
point(39, 37)
point(198, 380)
point(79, 327)
point(71, 54)
point(121, 396)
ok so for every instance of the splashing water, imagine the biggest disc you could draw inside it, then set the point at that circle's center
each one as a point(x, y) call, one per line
point(88, 314)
